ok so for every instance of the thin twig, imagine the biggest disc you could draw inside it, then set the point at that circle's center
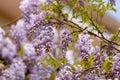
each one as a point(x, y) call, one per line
point(74, 25)
point(13, 21)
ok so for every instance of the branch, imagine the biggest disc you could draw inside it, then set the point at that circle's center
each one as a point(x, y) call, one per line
point(11, 22)
point(74, 25)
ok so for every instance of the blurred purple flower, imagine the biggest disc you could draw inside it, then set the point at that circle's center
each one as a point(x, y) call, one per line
point(112, 2)
point(29, 7)
point(7, 50)
point(84, 45)
point(18, 32)
point(39, 72)
point(16, 71)
point(66, 39)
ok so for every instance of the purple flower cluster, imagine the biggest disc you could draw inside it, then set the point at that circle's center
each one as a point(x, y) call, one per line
point(38, 20)
point(16, 71)
point(29, 56)
point(18, 32)
point(84, 45)
point(66, 39)
point(36, 39)
point(29, 7)
point(38, 72)
point(116, 65)
point(81, 2)
point(46, 40)
point(7, 48)
point(17, 66)
point(34, 43)
point(67, 73)
point(112, 2)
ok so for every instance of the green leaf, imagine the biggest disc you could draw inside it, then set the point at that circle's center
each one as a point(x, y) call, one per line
point(75, 1)
point(100, 14)
point(115, 36)
point(71, 4)
point(102, 3)
point(114, 9)
point(75, 36)
point(108, 6)
point(104, 9)
point(1, 61)
point(94, 6)
point(90, 61)
point(2, 67)
point(43, 60)
point(66, 15)
point(71, 47)
point(107, 64)
point(55, 63)
point(52, 77)
point(21, 52)
point(82, 64)
point(26, 78)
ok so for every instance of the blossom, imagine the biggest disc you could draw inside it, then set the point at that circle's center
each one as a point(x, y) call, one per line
point(66, 39)
point(112, 2)
point(116, 65)
point(7, 49)
point(39, 72)
point(16, 71)
point(46, 39)
point(18, 32)
point(29, 7)
point(81, 2)
point(84, 45)
point(29, 54)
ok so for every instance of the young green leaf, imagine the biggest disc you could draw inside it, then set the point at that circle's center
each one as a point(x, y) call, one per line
point(21, 52)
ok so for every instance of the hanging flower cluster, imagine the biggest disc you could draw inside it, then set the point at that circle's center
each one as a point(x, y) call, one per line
point(48, 43)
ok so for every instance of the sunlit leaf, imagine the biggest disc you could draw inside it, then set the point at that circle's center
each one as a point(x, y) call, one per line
point(107, 65)
point(21, 52)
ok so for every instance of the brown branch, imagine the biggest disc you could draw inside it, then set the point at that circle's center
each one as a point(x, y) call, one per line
point(11, 22)
point(74, 25)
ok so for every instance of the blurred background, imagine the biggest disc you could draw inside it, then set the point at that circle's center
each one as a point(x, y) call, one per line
point(9, 11)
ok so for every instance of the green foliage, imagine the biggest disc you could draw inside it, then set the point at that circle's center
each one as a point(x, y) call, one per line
point(2, 67)
point(1, 61)
point(52, 75)
point(66, 15)
point(113, 9)
point(21, 52)
point(56, 8)
point(71, 47)
point(98, 7)
point(115, 36)
point(91, 61)
point(75, 36)
point(26, 78)
point(82, 64)
point(55, 63)
point(75, 1)
point(107, 65)
point(88, 63)
point(51, 61)
point(72, 3)
point(75, 13)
